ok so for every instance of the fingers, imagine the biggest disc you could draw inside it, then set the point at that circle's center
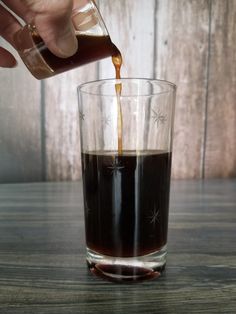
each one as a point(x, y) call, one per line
point(6, 59)
point(53, 23)
point(8, 26)
point(20, 8)
point(51, 18)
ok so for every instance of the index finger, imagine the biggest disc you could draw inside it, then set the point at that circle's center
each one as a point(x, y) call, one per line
point(20, 8)
point(9, 25)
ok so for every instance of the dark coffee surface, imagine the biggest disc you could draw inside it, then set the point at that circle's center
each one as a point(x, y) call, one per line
point(126, 201)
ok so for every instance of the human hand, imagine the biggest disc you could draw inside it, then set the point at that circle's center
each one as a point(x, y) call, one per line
point(52, 19)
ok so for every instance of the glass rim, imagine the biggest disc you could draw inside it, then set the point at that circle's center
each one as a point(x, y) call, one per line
point(172, 86)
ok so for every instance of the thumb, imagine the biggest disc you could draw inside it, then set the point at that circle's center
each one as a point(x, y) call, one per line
point(54, 25)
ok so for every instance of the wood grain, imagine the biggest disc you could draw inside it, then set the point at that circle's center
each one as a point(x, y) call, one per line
point(181, 57)
point(220, 157)
point(42, 254)
point(131, 27)
point(188, 42)
point(62, 123)
point(20, 124)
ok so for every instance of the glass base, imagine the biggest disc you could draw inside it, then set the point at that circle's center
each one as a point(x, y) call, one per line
point(127, 269)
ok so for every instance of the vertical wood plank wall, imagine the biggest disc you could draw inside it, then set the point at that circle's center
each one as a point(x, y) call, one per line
point(182, 29)
point(62, 144)
point(188, 42)
point(220, 142)
point(21, 155)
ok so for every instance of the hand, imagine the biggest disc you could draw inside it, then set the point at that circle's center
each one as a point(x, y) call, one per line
point(52, 19)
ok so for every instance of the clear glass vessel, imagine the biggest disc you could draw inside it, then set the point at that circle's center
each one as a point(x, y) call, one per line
point(126, 145)
point(93, 43)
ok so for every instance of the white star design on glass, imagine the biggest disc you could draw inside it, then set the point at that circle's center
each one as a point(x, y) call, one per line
point(87, 209)
point(154, 217)
point(115, 167)
point(158, 117)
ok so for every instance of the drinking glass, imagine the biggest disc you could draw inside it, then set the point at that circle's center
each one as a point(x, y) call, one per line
point(126, 190)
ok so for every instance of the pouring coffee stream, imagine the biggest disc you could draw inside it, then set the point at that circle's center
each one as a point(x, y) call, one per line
point(126, 187)
point(117, 62)
point(94, 44)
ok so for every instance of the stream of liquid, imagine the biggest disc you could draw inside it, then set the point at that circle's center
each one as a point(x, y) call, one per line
point(117, 62)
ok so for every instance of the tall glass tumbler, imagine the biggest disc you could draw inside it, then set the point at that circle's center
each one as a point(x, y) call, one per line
point(126, 191)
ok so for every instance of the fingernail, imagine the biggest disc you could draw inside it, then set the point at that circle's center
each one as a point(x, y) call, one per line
point(9, 65)
point(67, 43)
point(83, 21)
point(14, 65)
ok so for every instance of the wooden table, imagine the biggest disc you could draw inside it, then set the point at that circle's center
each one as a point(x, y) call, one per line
point(42, 254)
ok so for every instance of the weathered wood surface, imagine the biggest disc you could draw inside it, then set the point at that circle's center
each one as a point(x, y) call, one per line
point(131, 25)
point(62, 146)
point(220, 150)
point(189, 42)
point(42, 254)
point(182, 30)
point(20, 126)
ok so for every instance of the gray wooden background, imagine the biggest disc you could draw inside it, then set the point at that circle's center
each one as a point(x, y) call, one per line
point(189, 42)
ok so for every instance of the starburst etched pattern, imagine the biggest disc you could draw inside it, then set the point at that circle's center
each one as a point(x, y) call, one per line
point(115, 167)
point(81, 115)
point(87, 210)
point(154, 216)
point(158, 117)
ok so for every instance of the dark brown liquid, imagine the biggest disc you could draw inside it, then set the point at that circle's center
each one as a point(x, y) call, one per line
point(126, 201)
point(117, 62)
point(91, 48)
